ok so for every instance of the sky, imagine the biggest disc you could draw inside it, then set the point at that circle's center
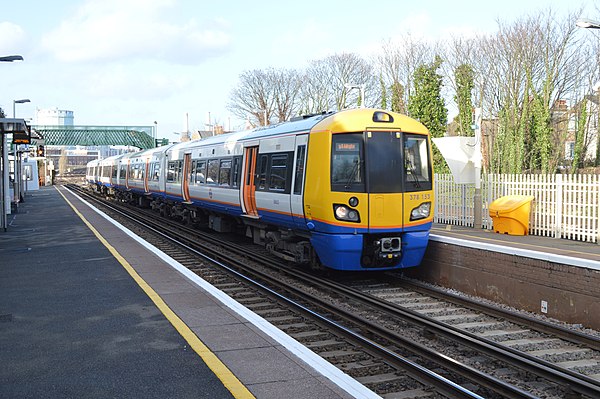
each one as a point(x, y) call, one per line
point(175, 62)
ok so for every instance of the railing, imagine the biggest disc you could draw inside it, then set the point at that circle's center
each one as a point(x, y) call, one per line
point(565, 206)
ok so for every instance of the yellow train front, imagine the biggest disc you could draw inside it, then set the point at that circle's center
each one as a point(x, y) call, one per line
point(368, 199)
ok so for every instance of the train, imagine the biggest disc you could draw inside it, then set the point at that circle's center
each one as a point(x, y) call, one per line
point(350, 190)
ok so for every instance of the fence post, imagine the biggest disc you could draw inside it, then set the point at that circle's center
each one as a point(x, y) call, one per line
point(558, 197)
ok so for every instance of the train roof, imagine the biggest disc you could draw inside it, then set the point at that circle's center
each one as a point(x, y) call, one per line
point(296, 125)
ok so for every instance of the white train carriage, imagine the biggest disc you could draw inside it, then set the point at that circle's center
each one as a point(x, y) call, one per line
point(100, 174)
point(209, 179)
point(138, 177)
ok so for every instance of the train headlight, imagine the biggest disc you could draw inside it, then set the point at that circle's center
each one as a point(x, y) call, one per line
point(421, 212)
point(342, 212)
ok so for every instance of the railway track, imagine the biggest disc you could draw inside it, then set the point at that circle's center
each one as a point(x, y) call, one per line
point(390, 348)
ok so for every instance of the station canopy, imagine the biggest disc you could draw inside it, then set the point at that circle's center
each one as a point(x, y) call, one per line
point(136, 136)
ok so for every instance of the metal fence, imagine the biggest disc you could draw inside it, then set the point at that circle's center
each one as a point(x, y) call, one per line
point(565, 206)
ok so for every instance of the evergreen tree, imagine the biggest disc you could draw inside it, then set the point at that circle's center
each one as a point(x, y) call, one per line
point(579, 139)
point(427, 106)
point(464, 77)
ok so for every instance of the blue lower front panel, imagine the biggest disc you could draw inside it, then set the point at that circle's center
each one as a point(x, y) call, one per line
point(344, 251)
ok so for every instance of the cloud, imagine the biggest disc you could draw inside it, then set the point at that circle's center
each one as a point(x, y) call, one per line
point(136, 29)
point(12, 38)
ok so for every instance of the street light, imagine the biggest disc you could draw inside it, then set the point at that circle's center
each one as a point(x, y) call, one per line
point(18, 159)
point(4, 201)
point(25, 100)
point(11, 58)
point(264, 112)
point(351, 86)
point(587, 23)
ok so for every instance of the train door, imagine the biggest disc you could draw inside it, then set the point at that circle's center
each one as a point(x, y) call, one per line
point(384, 163)
point(185, 178)
point(248, 193)
point(297, 192)
point(147, 175)
point(127, 174)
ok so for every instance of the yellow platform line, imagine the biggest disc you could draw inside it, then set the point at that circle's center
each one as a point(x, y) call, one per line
point(229, 380)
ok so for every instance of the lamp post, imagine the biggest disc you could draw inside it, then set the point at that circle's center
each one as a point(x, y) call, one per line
point(11, 58)
point(155, 132)
point(4, 156)
point(591, 24)
point(19, 195)
point(264, 112)
point(351, 86)
point(25, 100)
point(587, 23)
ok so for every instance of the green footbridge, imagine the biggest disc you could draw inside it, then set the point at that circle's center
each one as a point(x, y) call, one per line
point(136, 136)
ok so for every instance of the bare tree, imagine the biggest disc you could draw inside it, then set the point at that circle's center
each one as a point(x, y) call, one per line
point(534, 65)
point(397, 62)
point(264, 95)
point(324, 83)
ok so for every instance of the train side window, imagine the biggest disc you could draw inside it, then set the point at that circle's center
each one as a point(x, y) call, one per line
point(278, 172)
point(156, 171)
point(299, 179)
point(213, 172)
point(114, 172)
point(122, 172)
point(262, 172)
point(171, 172)
point(200, 172)
point(236, 171)
point(178, 172)
point(225, 173)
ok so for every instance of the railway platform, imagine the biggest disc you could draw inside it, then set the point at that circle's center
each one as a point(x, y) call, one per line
point(575, 252)
point(88, 311)
point(550, 277)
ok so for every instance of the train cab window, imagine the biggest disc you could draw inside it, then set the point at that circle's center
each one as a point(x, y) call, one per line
point(212, 176)
point(278, 172)
point(300, 156)
point(384, 162)
point(417, 165)
point(200, 172)
point(347, 162)
point(225, 173)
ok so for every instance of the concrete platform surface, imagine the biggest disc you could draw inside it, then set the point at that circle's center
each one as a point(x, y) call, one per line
point(88, 311)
